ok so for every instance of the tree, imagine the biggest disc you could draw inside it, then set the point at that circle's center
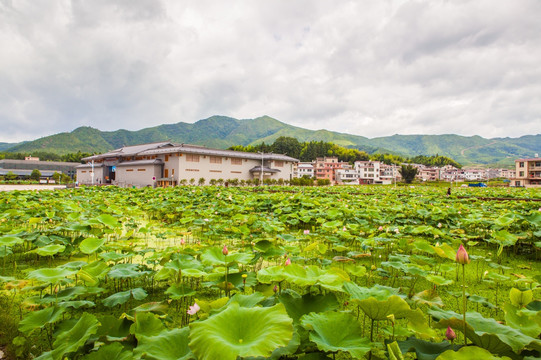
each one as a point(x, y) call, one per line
point(10, 176)
point(408, 173)
point(35, 175)
point(287, 145)
point(57, 177)
point(201, 181)
point(192, 181)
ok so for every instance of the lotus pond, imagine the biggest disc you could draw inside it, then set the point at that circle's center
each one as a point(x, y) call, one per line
point(274, 272)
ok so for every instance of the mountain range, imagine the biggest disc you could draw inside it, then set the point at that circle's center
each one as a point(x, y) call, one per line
point(222, 132)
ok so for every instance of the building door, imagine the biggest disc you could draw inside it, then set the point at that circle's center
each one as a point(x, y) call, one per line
point(166, 173)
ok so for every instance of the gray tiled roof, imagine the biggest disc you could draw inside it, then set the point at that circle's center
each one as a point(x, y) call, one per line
point(140, 162)
point(190, 149)
point(129, 150)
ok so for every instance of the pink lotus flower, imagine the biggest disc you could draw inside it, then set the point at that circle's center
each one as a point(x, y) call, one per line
point(306, 232)
point(462, 256)
point(288, 262)
point(439, 225)
point(193, 309)
point(275, 289)
point(380, 228)
point(344, 228)
point(182, 241)
point(450, 334)
point(224, 250)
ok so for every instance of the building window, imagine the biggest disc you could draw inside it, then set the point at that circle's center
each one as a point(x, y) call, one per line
point(83, 172)
point(278, 163)
point(521, 164)
point(521, 173)
point(129, 169)
point(166, 157)
point(215, 171)
point(192, 170)
point(141, 169)
point(172, 171)
point(192, 158)
point(215, 159)
point(236, 161)
point(236, 172)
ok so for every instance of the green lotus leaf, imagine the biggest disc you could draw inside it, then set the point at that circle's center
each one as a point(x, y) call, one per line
point(153, 307)
point(50, 275)
point(439, 280)
point(114, 351)
point(445, 251)
point(183, 263)
point(50, 250)
point(469, 352)
point(71, 340)
point(336, 331)
point(505, 220)
point(126, 271)
point(520, 298)
point(297, 305)
point(505, 238)
point(240, 331)
point(380, 309)
point(331, 279)
point(177, 292)
point(195, 273)
point(247, 300)
point(528, 322)
point(8, 240)
point(394, 351)
point(378, 292)
point(122, 297)
point(487, 333)
point(76, 304)
point(214, 257)
point(90, 245)
point(108, 221)
point(355, 270)
point(113, 329)
point(113, 256)
point(425, 350)
point(271, 274)
point(314, 356)
point(146, 324)
point(167, 345)
point(418, 323)
point(38, 319)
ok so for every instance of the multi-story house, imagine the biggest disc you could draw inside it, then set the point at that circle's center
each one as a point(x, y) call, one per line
point(325, 167)
point(528, 172)
point(303, 169)
point(376, 172)
point(168, 164)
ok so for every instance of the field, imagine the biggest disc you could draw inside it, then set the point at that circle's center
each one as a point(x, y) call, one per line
point(275, 272)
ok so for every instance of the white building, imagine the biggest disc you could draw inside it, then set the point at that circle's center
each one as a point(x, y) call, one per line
point(303, 169)
point(376, 172)
point(168, 164)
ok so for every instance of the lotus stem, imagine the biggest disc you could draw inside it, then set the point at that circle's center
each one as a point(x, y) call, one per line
point(464, 302)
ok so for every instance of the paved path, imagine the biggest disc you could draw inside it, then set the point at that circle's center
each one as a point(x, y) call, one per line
point(31, 187)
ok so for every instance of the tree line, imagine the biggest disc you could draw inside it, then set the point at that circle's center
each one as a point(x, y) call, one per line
point(310, 150)
point(46, 156)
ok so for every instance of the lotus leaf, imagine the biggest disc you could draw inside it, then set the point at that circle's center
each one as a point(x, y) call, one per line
point(90, 245)
point(470, 352)
point(38, 319)
point(214, 257)
point(113, 329)
point(121, 297)
point(487, 333)
point(297, 305)
point(361, 293)
point(114, 351)
point(177, 292)
point(336, 331)
point(146, 324)
point(167, 345)
point(380, 309)
point(425, 350)
point(239, 331)
point(108, 220)
point(526, 321)
point(71, 340)
point(50, 275)
point(271, 274)
point(50, 250)
point(8, 240)
point(126, 271)
point(247, 300)
point(520, 298)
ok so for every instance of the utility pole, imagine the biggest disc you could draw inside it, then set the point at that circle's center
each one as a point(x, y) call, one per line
point(92, 172)
point(261, 170)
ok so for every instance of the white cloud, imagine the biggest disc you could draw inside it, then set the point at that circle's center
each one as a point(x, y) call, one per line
point(371, 68)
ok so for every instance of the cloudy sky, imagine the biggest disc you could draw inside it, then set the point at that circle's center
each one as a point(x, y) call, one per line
point(371, 68)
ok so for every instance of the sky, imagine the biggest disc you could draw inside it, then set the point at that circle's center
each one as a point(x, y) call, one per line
point(371, 68)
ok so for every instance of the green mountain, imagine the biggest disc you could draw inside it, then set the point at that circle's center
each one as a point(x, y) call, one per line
point(222, 132)
point(4, 146)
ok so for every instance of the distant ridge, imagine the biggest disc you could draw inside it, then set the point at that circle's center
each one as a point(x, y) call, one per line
point(222, 132)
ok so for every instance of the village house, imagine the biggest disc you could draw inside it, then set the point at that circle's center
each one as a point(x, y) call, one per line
point(167, 164)
point(528, 172)
point(325, 167)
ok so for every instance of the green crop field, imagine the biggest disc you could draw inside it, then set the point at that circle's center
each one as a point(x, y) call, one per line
point(275, 272)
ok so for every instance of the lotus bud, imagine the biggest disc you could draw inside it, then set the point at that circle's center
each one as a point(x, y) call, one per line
point(450, 334)
point(275, 289)
point(288, 262)
point(182, 241)
point(439, 225)
point(380, 228)
point(225, 251)
point(306, 232)
point(462, 256)
point(391, 318)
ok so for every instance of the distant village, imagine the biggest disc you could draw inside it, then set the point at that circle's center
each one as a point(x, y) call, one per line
point(167, 164)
